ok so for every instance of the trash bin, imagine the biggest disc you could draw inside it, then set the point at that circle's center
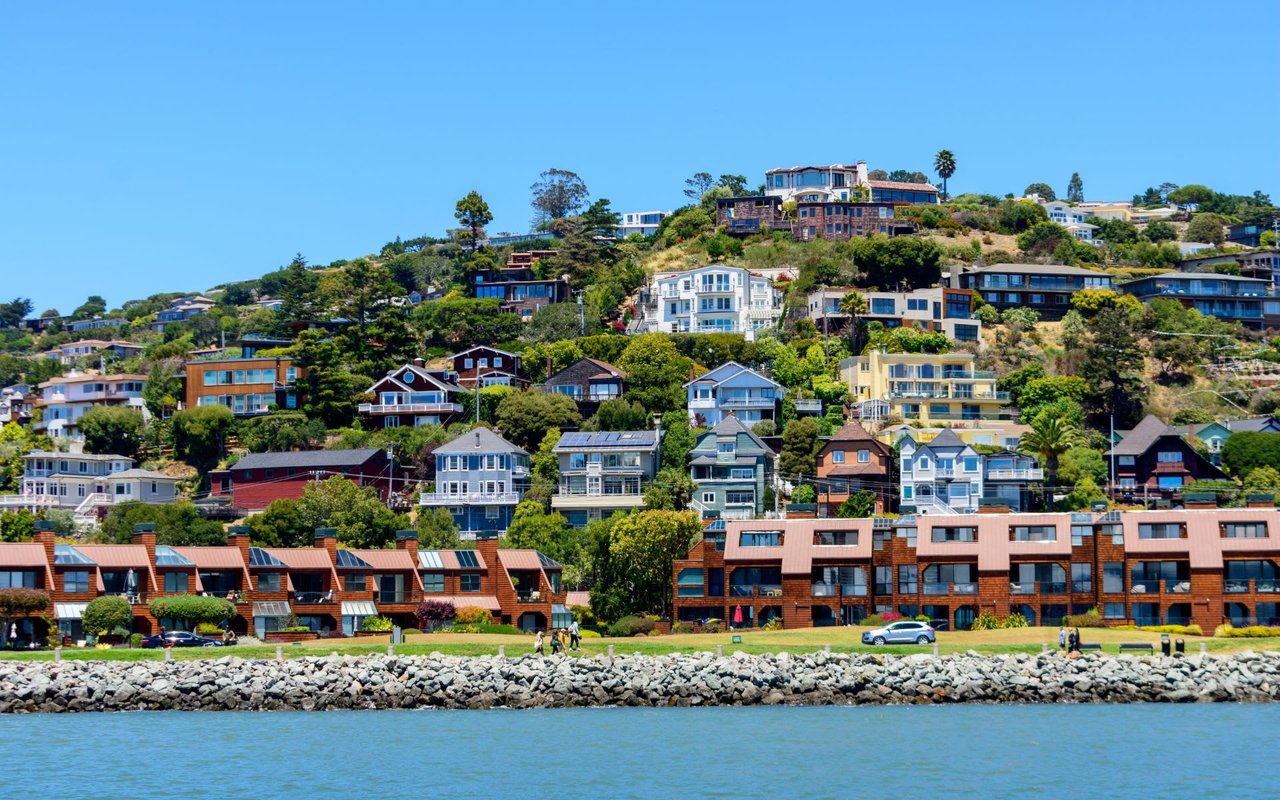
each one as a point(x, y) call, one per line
point(1164, 643)
point(1180, 645)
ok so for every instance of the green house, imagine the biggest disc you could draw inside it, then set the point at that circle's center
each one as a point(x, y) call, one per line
point(731, 467)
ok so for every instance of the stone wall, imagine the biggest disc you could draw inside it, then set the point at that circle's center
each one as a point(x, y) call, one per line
point(375, 682)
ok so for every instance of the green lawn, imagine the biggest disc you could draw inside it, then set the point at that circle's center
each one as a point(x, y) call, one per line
point(1018, 640)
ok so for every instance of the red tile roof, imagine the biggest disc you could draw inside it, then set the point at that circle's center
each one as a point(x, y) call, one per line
point(22, 554)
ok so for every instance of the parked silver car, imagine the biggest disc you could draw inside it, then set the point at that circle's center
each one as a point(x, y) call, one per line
point(903, 631)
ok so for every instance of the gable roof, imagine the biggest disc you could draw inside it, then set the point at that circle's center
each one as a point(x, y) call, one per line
point(727, 370)
point(1257, 424)
point(606, 439)
point(852, 431)
point(479, 440)
point(947, 438)
point(484, 347)
point(307, 459)
point(604, 370)
point(1141, 438)
point(732, 427)
point(419, 372)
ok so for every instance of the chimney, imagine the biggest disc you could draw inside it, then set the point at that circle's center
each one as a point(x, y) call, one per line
point(43, 532)
point(1252, 501)
point(238, 537)
point(328, 539)
point(407, 540)
point(419, 362)
point(487, 547)
point(548, 366)
point(144, 533)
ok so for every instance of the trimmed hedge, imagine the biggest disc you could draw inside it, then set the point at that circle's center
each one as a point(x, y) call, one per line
point(1180, 630)
point(1229, 631)
point(192, 609)
point(107, 613)
point(631, 626)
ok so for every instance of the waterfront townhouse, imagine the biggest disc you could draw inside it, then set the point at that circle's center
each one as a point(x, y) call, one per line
point(644, 223)
point(480, 477)
point(325, 588)
point(941, 309)
point(1154, 461)
point(1234, 298)
point(484, 366)
point(942, 477)
point(923, 387)
point(1145, 567)
point(65, 399)
point(1045, 288)
point(413, 395)
point(712, 299)
point(518, 287)
point(604, 472)
point(732, 389)
point(588, 381)
point(731, 467)
point(247, 386)
point(257, 479)
point(853, 461)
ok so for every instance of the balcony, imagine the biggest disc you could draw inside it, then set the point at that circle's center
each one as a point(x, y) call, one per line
point(714, 288)
point(729, 403)
point(937, 588)
point(1178, 586)
point(410, 408)
point(1022, 587)
point(1082, 587)
point(808, 406)
point(1036, 474)
point(760, 590)
point(472, 498)
point(964, 588)
point(313, 598)
point(824, 590)
point(853, 590)
point(1144, 587)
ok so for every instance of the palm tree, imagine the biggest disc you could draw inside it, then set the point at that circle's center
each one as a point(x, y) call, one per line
point(1048, 439)
point(855, 305)
point(944, 163)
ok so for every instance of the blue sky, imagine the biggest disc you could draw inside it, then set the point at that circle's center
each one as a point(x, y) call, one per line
point(171, 147)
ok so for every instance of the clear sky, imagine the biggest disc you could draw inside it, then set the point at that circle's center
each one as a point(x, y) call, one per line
point(172, 147)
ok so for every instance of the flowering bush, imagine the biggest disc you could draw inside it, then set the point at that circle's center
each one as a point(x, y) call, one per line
point(434, 614)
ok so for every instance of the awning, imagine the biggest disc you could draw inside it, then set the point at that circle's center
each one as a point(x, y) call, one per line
point(271, 608)
point(556, 608)
point(68, 610)
point(359, 608)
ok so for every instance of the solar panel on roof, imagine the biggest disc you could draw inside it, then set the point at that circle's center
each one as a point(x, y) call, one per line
point(66, 554)
point(467, 559)
point(166, 556)
point(261, 558)
point(346, 558)
point(430, 559)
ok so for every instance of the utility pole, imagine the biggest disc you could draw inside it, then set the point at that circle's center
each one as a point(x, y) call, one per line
point(391, 462)
point(582, 320)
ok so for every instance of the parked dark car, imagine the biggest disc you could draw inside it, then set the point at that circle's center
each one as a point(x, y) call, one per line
point(903, 632)
point(179, 639)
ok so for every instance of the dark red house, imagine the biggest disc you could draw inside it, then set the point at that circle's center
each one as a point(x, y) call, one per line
point(1154, 460)
point(259, 478)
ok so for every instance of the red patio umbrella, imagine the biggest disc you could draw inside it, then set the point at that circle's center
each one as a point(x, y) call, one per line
point(737, 616)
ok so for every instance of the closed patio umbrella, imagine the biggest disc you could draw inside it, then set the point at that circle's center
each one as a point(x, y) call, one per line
point(131, 582)
point(737, 615)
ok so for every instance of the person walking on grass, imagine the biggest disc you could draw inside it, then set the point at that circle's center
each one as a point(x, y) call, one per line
point(537, 644)
point(1073, 639)
point(1062, 638)
point(575, 636)
point(555, 642)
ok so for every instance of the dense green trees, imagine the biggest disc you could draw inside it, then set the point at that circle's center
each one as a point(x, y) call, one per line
point(104, 614)
point(556, 194)
point(1043, 189)
point(356, 512)
point(1205, 228)
point(1246, 451)
point(799, 448)
point(525, 417)
point(199, 435)
point(114, 430)
point(472, 212)
point(643, 544)
point(1114, 370)
point(177, 524)
point(656, 372)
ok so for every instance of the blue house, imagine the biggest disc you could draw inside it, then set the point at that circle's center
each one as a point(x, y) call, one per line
point(480, 477)
point(732, 388)
point(732, 468)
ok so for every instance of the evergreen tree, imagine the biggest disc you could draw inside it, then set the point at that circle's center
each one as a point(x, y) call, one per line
point(1075, 189)
point(1115, 371)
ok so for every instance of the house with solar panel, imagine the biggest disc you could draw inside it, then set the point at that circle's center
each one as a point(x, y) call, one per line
point(604, 472)
point(731, 467)
point(480, 477)
point(732, 389)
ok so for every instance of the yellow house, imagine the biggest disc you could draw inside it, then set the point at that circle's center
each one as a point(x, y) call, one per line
point(995, 433)
point(925, 387)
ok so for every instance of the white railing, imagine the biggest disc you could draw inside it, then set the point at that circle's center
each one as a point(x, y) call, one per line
point(1016, 474)
point(89, 506)
point(410, 408)
point(29, 501)
point(444, 499)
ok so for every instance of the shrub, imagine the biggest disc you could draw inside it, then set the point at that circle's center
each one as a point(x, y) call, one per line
point(582, 614)
point(985, 621)
point(192, 609)
point(774, 624)
point(631, 626)
point(472, 615)
point(925, 618)
point(408, 631)
point(1014, 620)
point(296, 629)
point(1089, 619)
point(135, 640)
point(381, 624)
point(434, 614)
point(710, 627)
point(208, 628)
point(682, 627)
point(1251, 632)
point(654, 632)
point(1179, 630)
point(102, 614)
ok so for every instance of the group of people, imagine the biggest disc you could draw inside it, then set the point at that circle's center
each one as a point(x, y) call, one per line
point(1069, 639)
point(565, 639)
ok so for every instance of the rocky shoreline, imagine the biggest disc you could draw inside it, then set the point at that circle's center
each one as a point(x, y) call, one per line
point(437, 681)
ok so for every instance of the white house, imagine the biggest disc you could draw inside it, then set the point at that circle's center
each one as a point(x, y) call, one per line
point(1066, 214)
point(713, 299)
point(87, 482)
point(67, 398)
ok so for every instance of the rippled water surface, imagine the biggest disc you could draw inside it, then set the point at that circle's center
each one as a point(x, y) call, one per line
point(953, 751)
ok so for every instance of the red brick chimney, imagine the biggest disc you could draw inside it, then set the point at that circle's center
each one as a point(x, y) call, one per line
point(1266, 500)
point(43, 532)
point(407, 540)
point(238, 537)
point(144, 533)
point(328, 539)
point(487, 547)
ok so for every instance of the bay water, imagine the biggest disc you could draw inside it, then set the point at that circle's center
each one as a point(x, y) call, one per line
point(985, 751)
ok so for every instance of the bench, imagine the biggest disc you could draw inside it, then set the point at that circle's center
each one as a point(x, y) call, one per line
point(1090, 646)
point(1145, 647)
